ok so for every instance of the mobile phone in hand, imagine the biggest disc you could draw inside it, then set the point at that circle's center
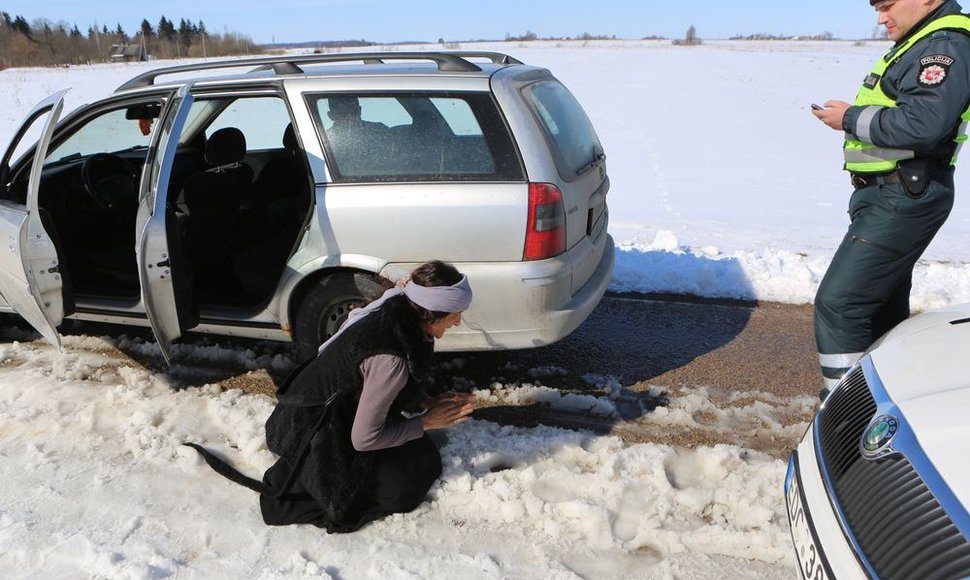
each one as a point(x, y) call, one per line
point(817, 107)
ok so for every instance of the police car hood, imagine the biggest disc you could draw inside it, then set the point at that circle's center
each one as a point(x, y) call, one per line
point(924, 365)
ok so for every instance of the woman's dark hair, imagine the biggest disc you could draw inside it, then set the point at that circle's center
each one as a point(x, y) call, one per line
point(433, 273)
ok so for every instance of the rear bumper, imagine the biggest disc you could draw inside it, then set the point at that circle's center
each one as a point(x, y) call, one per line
point(528, 304)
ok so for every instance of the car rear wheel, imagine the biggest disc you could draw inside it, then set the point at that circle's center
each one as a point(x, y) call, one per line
point(326, 306)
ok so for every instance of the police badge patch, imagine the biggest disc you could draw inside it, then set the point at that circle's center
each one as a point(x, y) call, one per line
point(933, 70)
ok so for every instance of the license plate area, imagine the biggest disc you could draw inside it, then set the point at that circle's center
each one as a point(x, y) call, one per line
point(595, 221)
point(596, 212)
point(811, 561)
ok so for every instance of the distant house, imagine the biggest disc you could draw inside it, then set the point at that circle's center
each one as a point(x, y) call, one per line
point(128, 53)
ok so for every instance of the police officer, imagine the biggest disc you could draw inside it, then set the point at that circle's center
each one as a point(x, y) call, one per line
point(902, 137)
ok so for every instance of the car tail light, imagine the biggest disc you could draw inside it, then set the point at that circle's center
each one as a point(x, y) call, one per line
point(545, 235)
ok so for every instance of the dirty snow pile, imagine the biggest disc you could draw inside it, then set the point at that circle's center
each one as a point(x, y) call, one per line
point(99, 485)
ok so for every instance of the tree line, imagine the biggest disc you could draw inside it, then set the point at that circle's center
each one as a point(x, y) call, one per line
point(43, 43)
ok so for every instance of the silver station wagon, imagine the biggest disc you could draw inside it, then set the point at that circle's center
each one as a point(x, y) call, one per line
point(267, 197)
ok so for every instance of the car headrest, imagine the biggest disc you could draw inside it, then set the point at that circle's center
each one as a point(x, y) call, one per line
point(289, 138)
point(225, 146)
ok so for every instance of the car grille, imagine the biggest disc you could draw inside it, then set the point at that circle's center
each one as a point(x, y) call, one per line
point(897, 523)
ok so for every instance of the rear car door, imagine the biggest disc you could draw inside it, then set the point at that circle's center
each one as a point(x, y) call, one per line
point(30, 279)
point(165, 289)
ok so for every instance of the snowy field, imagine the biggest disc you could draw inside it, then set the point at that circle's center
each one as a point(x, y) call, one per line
point(723, 184)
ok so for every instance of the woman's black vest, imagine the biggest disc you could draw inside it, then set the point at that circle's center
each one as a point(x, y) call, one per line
point(311, 425)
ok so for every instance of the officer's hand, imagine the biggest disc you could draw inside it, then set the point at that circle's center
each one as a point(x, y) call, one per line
point(832, 114)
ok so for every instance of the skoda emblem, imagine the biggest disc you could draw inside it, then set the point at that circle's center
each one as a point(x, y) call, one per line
point(878, 437)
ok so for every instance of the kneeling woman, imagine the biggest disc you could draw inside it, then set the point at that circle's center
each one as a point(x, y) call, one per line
point(348, 454)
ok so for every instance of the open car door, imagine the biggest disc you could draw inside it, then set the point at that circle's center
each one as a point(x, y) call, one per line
point(30, 277)
point(166, 284)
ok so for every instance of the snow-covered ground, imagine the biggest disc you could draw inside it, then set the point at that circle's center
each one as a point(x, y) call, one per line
point(723, 184)
point(98, 485)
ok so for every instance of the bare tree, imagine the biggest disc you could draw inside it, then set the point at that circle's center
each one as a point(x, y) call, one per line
point(690, 39)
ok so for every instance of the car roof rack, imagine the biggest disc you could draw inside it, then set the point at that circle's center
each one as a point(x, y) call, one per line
point(289, 65)
point(495, 57)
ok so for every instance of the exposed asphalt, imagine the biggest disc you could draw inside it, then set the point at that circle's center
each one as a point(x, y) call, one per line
point(676, 341)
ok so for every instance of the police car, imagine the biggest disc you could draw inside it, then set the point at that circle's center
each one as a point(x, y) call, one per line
point(879, 486)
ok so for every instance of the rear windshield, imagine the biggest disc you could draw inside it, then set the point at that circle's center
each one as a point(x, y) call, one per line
point(566, 125)
point(414, 137)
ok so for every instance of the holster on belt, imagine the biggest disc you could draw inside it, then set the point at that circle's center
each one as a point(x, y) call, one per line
point(915, 174)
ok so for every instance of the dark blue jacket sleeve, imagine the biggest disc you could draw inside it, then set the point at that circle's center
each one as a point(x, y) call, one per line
point(926, 113)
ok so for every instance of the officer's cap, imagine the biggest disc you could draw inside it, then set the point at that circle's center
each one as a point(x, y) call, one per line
point(874, 2)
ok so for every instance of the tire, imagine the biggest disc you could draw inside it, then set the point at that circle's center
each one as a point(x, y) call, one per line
point(326, 305)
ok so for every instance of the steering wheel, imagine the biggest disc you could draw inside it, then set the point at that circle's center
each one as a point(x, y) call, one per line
point(110, 182)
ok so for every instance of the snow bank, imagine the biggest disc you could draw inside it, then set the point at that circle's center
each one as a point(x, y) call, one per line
point(763, 274)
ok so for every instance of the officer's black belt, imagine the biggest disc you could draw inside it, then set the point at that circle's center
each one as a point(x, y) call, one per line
point(860, 180)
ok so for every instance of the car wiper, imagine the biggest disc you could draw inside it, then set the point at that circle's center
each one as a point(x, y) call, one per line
point(66, 159)
point(598, 159)
point(132, 148)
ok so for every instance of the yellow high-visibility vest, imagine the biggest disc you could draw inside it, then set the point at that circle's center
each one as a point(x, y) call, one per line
point(867, 158)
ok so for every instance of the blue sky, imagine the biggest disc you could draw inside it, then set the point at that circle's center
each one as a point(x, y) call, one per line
point(391, 20)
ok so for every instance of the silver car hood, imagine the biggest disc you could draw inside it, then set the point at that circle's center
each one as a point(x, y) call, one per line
point(924, 365)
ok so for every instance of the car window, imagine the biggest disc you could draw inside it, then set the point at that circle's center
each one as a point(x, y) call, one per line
point(386, 110)
point(16, 189)
point(29, 140)
point(415, 137)
point(459, 116)
point(261, 119)
point(125, 128)
point(566, 125)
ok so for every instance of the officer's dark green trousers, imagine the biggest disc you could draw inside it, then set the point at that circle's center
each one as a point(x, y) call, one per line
point(865, 291)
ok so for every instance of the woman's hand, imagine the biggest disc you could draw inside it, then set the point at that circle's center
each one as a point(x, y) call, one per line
point(446, 410)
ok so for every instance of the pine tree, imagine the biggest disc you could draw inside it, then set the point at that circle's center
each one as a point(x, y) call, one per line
point(166, 31)
point(21, 26)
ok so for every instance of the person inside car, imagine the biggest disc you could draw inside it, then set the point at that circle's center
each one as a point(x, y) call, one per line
point(353, 141)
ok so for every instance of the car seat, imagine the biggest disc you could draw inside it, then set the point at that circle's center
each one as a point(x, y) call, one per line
point(283, 186)
point(210, 199)
point(268, 227)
